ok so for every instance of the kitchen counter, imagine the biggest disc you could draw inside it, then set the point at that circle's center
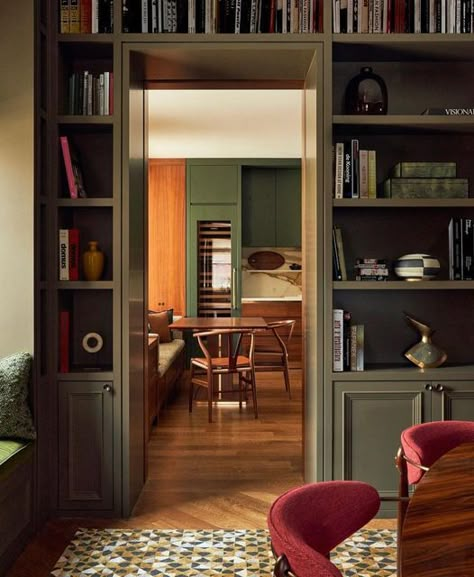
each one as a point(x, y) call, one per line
point(272, 299)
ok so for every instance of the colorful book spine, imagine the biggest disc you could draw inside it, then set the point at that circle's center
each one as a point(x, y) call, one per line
point(75, 17)
point(372, 185)
point(86, 16)
point(64, 20)
point(338, 336)
point(340, 252)
point(73, 192)
point(73, 260)
point(63, 254)
point(64, 332)
point(363, 173)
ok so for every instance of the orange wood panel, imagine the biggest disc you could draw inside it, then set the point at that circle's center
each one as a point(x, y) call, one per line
point(166, 234)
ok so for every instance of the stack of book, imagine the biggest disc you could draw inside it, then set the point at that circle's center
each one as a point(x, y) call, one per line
point(425, 180)
point(86, 16)
point(371, 269)
point(91, 94)
point(68, 254)
point(348, 342)
point(355, 171)
point(461, 248)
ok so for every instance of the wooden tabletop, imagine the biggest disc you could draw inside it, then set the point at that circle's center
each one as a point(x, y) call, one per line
point(438, 532)
point(211, 323)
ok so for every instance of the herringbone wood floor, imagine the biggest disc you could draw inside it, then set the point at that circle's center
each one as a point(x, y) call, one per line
point(204, 476)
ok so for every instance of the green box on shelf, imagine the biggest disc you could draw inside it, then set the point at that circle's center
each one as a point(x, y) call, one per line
point(424, 170)
point(426, 188)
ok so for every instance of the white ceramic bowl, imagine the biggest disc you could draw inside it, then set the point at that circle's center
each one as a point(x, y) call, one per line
point(413, 267)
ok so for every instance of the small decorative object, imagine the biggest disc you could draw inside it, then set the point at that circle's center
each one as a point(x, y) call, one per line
point(424, 354)
point(415, 267)
point(366, 93)
point(295, 266)
point(266, 260)
point(92, 343)
point(93, 261)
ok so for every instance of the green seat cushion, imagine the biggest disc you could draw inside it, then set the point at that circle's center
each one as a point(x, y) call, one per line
point(15, 414)
point(168, 353)
point(8, 448)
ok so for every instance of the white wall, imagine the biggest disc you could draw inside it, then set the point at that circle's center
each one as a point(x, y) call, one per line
point(225, 123)
point(16, 175)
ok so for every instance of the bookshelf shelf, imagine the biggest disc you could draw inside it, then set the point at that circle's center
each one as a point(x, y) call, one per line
point(85, 285)
point(85, 202)
point(86, 120)
point(403, 203)
point(273, 271)
point(405, 372)
point(411, 123)
point(401, 285)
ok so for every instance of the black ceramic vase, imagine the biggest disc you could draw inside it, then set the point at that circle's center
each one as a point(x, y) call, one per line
point(366, 93)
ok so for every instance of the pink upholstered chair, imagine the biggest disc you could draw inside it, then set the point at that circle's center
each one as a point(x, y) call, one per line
point(307, 522)
point(421, 446)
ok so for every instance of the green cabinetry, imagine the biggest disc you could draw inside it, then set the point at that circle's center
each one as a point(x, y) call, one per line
point(369, 417)
point(271, 206)
point(213, 183)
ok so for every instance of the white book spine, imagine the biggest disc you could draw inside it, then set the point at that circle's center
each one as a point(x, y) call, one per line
point(238, 15)
point(154, 16)
point(350, 16)
point(417, 16)
point(385, 22)
point(364, 174)
point(144, 16)
point(253, 15)
point(106, 93)
point(95, 16)
point(338, 339)
point(63, 254)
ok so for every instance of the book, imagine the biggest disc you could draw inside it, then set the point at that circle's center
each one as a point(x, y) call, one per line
point(347, 171)
point(339, 169)
point(64, 12)
point(337, 275)
point(74, 17)
point(355, 168)
point(426, 188)
point(86, 16)
point(363, 173)
point(337, 340)
point(72, 166)
point(73, 253)
point(467, 246)
point(346, 345)
point(357, 348)
point(372, 174)
point(64, 331)
point(454, 247)
point(449, 111)
point(63, 254)
point(424, 170)
point(340, 252)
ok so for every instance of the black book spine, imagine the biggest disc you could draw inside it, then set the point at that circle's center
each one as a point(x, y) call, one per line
point(347, 171)
point(245, 17)
point(337, 275)
point(467, 249)
point(346, 341)
point(182, 16)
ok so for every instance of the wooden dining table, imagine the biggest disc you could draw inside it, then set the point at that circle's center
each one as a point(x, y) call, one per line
point(437, 538)
point(224, 387)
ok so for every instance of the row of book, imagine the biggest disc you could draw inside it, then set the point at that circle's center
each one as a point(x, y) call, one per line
point(425, 180)
point(222, 16)
point(86, 16)
point(461, 248)
point(355, 171)
point(348, 343)
point(402, 16)
point(91, 94)
point(68, 254)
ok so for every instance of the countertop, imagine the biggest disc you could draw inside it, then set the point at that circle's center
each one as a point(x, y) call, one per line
point(259, 299)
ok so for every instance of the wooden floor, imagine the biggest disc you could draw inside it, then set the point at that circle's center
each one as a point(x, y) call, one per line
point(204, 476)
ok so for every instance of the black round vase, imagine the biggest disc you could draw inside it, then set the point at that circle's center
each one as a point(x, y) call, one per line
point(366, 93)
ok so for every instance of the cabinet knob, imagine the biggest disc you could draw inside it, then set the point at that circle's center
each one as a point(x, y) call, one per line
point(428, 387)
point(107, 388)
point(439, 388)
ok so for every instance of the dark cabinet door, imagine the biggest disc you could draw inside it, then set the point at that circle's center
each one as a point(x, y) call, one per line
point(453, 400)
point(85, 445)
point(368, 420)
point(288, 207)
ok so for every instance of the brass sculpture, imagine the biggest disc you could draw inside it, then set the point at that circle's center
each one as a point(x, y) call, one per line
point(424, 354)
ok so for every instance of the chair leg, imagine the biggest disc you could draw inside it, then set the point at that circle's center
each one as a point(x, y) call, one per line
point(191, 389)
point(253, 382)
point(210, 391)
point(286, 374)
point(241, 381)
point(402, 504)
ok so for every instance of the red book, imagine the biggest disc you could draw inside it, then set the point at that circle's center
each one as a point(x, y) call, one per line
point(73, 254)
point(86, 16)
point(64, 327)
point(73, 170)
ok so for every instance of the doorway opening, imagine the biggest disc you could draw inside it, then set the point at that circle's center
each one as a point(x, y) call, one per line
point(203, 442)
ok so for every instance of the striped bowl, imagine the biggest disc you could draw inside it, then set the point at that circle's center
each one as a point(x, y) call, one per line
point(417, 266)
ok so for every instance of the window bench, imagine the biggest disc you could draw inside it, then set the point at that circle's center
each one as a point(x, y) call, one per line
point(166, 362)
point(16, 499)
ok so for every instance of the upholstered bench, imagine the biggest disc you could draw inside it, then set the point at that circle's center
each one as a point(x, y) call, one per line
point(170, 370)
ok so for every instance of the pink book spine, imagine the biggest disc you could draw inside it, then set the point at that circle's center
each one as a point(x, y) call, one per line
point(68, 165)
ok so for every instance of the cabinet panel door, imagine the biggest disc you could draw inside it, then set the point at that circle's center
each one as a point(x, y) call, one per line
point(455, 402)
point(368, 420)
point(258, 207)
point(288, 207)
point(85, 445)
point(213, 184)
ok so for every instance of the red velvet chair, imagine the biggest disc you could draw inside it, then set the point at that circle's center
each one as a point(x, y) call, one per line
point(307, 522)
point(421, 446)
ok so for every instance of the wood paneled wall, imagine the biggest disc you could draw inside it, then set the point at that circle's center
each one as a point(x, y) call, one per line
point(167, 234)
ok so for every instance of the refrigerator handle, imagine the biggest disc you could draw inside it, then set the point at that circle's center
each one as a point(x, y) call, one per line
point(234, 288)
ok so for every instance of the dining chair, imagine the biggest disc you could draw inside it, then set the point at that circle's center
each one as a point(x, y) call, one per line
point(205, 370)
point(306, 523)
point(420, 446)
point(273, 355)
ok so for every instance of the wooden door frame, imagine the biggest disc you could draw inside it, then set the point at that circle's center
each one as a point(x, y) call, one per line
point(311, 82)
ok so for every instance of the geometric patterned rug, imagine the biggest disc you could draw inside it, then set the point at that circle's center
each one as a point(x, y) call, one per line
point(229, 553)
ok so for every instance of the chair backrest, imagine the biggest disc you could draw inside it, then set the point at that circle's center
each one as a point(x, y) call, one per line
point(425, 443)
point(282, 331)
point(319, 516)
point(232, 346)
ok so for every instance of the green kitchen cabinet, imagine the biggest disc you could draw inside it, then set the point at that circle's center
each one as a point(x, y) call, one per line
point(213, 183)
point(271, 206)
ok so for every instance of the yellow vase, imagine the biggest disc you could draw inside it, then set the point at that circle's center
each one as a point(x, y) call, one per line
point(93, 261)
